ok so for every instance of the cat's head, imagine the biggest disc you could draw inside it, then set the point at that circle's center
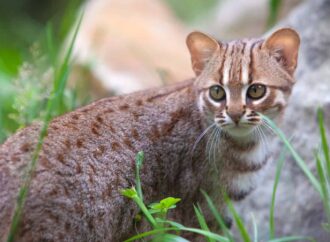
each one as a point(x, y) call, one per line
point(237, 80)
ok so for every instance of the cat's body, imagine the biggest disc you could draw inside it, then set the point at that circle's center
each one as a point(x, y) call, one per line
point(88, 156)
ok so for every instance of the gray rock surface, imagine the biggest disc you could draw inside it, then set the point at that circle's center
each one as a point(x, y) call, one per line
point(299, 209)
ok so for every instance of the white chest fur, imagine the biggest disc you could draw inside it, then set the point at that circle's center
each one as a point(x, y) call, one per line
point(241, 169)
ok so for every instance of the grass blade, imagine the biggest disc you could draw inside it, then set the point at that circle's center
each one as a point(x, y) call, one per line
point(273, 7)
point(146, 212)
point(218, 217)
point(324, 185)
point(255, 228)
point(324, 140)
point(197, 231)
point(149, 233)
point(292, 238)
point(240, 225)
point(202, 222)
point(279, 167)
point(138, 164)
point(60, 81)
point(300, 162)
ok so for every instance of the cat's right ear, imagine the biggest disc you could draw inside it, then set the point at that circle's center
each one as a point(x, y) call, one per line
point(201, 47)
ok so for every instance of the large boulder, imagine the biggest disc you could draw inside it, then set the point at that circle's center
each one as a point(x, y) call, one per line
point(299, 209)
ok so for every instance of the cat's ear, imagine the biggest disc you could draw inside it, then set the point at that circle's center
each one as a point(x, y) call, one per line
point(284, 45)
point(201, 47)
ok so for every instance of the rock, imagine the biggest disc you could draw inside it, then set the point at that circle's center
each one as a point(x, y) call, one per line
point(132, 45)
point(241, 18)
point(299, 210)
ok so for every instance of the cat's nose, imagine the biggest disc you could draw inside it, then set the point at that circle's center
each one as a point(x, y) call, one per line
point(236, 117)
point(235, 114)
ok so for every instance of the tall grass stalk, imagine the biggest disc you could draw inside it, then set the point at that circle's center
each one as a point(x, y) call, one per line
point(57, 92)
point(238, 220)
point(323, 168)
point(279, 167)
point(218, 217)
point(300, 162)
point(273, 12)
point(202, 221)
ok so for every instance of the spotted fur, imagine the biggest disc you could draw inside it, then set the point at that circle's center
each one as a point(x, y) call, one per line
point(190, 143)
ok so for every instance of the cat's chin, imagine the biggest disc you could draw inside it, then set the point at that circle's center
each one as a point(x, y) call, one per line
point(240, 131)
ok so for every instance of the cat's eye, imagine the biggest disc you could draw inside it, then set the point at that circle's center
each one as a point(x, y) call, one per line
point(256, 91)
point(217, 93)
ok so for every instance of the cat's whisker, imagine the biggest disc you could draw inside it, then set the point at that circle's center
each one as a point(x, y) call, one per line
point(265, 124)
point(264, 138)
point(209, 144)
point(215, 144)
point(200, 137)
point(218, 138)
point(258, 134)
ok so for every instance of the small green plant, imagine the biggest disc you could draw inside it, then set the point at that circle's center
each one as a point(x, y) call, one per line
point(156, 215)
point(163, 229)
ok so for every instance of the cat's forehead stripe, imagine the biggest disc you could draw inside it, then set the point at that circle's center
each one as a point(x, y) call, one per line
point(246, 59)
point(237, 61)
point(227, 64)
point(224, 52)
point(243, 71)
point(255, 45)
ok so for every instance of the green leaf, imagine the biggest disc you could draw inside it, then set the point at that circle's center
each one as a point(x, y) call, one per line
point(165, 204)
point(129, 192)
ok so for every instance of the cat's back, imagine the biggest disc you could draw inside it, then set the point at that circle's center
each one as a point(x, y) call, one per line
point(87, 157)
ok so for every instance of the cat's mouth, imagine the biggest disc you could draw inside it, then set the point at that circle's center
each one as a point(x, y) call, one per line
point(238, 129)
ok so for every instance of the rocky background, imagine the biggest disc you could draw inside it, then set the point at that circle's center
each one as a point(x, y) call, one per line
point(299, 210)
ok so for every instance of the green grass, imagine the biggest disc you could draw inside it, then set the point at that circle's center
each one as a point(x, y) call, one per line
point(191, 10)
point(54, 102)
point(273, 12)
point(279, 167)
point(163, 227)
point(29, 51)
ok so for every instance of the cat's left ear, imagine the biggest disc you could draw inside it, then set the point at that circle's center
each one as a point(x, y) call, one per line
point(284, 45)
point(201, 47)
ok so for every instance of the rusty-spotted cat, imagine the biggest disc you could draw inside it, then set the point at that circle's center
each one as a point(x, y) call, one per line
point(205, 133)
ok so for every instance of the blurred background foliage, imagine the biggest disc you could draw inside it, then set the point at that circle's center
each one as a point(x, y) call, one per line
point(32, 34)
point(26, 28)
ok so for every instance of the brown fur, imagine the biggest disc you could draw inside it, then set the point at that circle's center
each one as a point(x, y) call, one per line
point(88, 155)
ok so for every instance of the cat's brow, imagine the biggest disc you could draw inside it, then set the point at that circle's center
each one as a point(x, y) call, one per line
point(224, 51)
point(237, 61)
